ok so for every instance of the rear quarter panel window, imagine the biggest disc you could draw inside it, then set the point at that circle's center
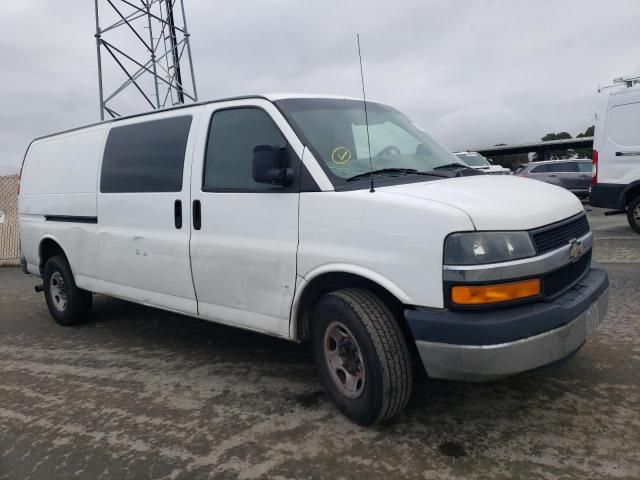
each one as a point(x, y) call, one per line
point(563, 167)
point(146, 156)
point(540, 169)
point(585, 167)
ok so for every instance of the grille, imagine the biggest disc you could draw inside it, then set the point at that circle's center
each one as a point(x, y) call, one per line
point(555, 283)
point(551, 237)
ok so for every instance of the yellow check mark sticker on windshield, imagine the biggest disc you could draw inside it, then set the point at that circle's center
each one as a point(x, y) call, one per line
point(340, 155)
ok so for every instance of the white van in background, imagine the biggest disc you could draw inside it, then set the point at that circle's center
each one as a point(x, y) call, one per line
point(265, 213)
point(478, 162)
point(616, 150)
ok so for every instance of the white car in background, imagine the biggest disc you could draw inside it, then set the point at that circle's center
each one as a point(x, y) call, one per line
point(477, 161)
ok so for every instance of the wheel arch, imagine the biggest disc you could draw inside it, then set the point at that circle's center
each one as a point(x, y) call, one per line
point(48, 247)
point(335, 277)
point(630, 192)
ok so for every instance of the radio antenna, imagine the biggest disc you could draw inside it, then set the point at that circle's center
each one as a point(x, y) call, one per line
point(366, 117)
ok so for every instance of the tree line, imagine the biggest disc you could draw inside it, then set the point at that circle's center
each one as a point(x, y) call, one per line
point(513, 161)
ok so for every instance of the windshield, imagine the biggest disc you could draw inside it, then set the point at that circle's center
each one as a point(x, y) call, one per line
point(473, 159)
point(335, 130)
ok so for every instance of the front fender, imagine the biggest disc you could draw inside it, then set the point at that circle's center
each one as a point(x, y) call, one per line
point(360, 271)
point(303, 282)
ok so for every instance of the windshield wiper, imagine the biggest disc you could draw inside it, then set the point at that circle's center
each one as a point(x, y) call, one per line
point(449, 166)
point(401, 171)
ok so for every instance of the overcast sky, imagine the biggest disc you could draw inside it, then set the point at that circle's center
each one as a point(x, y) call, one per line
point(472, 73)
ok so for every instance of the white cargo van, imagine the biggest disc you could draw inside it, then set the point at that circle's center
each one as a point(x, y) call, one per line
point(258, 212)
point(616, 150)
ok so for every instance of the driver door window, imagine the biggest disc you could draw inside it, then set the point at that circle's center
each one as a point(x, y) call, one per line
point(233, 135)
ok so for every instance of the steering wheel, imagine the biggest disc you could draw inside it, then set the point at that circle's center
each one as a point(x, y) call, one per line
point(389, 151)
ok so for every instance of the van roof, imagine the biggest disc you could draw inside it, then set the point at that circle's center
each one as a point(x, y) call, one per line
point(622, 89)
point(272, 97)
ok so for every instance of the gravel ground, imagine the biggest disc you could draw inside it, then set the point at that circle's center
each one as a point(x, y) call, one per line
point(141, 393)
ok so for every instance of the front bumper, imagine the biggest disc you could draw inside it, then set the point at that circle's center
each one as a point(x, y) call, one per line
point(481, 346)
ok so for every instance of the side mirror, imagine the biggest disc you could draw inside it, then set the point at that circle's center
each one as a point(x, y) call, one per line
point(271, 165)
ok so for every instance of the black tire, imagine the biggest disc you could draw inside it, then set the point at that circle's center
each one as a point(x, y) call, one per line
point(633, 214)
point(388, 375)
point(78, 301)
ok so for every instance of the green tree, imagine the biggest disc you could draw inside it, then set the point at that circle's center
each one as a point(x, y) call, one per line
point(588, 132)
point(558, 154)
point(556, 136)
point(585, 152)
point(512, 161)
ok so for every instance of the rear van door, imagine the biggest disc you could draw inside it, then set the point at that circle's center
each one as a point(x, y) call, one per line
point(619, 156)
point(143, 211)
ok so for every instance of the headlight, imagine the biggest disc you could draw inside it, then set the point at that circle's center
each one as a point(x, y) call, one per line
point(474, 248)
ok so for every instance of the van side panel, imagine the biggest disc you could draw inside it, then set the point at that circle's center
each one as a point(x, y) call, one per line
point(58, 197)
point(143, 252)
point(60, 174)
point(619, 140)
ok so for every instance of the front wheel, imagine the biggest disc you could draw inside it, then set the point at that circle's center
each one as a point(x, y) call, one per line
point(633, 214)
point(67, 303)
point(362, 355)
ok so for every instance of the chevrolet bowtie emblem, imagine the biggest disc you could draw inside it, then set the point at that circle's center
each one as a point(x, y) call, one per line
point(575, 249)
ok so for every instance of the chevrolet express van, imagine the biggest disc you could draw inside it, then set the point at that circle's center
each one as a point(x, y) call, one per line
point(616, 150)
point(259, 212)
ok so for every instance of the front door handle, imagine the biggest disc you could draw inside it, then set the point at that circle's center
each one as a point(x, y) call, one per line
point(197, 219)
point(627, 154)
point(177, 213)
point(553, 176)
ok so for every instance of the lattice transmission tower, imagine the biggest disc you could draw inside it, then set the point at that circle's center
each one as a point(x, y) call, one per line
point(146, 45)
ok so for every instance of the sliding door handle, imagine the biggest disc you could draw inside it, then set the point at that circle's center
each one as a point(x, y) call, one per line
point(197, 219)
point(177, 213)
point(627, 154)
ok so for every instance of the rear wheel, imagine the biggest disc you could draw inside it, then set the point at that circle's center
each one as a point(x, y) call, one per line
point(68, 304)
point(362, 355)
point(633, 214)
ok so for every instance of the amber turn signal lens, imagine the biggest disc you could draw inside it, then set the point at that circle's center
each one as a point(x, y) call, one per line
point(486, 294)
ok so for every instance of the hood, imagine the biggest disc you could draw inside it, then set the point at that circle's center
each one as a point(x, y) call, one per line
point(497, 202)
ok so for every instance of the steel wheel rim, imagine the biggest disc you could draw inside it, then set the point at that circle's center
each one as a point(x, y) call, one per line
point(636, 214)
point(343, 358)
point(58, 291)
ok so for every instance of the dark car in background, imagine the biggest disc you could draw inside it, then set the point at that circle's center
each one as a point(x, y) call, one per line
point(573, 174)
